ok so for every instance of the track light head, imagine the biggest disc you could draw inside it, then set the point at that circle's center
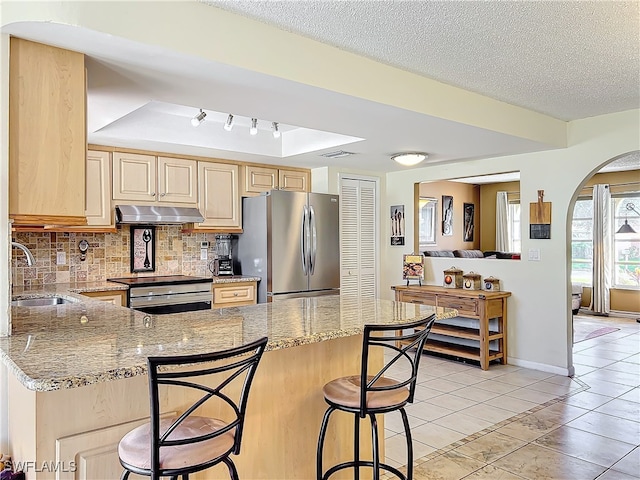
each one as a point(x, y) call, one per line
point(276, 130)
point(254, 126)
point(198, 119)
point(228, 125)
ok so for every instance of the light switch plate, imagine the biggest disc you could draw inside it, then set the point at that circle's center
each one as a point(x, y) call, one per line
point(61, 258)
point(534, 254)
point(203, 254)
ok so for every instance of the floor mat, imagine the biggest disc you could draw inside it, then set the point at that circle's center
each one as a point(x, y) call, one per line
point(586, 330)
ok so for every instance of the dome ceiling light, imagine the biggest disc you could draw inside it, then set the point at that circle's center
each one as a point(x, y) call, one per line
point(409, 159)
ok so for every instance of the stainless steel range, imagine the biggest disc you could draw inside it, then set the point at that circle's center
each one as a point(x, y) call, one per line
point(167, 294)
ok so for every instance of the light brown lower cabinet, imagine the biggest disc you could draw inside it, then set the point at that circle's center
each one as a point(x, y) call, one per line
point(116, 297)
point(234, 294)
point(94, 453)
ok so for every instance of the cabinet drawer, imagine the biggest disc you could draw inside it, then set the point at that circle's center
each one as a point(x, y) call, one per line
point(417, 298)
point(465, 306)
point(234, 294)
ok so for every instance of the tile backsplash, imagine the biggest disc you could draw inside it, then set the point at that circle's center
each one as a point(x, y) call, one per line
point(107, 257)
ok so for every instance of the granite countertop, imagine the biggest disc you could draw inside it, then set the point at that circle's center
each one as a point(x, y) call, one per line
point(89, 341)
point(64, 289)
point(235, 279)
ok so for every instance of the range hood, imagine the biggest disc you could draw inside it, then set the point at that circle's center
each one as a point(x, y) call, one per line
point(157, 215)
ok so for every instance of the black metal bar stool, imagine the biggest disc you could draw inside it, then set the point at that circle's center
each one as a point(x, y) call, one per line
point(179, 446)
point(371, 393)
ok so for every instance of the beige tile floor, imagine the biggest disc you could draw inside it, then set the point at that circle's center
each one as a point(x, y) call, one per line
point(514, 423)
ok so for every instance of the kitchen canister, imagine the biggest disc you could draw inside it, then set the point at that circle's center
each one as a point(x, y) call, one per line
point(492, 284)
point(471, 281)
point(452, 278)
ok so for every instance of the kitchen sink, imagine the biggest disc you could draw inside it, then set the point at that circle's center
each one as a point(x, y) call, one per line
point(40, 302)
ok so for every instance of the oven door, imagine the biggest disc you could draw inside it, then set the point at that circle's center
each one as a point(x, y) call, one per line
point(175, 308)
point(171, 298)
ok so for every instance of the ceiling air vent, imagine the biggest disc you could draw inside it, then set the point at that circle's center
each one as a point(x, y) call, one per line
point(336, 154)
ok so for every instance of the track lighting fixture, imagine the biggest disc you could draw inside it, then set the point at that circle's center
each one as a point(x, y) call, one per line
point(230, 122)
point(228, 125)
point(276, 130)
point(198, 119)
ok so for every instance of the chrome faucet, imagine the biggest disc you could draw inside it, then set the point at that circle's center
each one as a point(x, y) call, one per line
point(27, 252)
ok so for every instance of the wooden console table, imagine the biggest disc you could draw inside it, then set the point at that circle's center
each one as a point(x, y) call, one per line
point(470, 337)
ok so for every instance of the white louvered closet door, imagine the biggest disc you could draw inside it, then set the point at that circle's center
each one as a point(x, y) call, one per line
point(358, 238)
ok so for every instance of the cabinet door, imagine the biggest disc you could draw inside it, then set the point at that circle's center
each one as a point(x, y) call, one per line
point(293, 180)
point(177, 180)
point(219, 198)
point(134, 177)
point(260, 179)
point(115, 298)
point(95, 453)
point(235, 294)
point(47, 138)
point(98, 186)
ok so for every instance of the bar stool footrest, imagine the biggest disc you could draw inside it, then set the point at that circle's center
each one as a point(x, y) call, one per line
point(363, 463)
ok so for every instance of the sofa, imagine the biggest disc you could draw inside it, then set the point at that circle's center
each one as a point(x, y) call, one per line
point(471, 254)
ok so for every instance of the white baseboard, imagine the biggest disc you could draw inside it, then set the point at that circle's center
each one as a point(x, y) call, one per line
point(613, 313)
point(543, 367)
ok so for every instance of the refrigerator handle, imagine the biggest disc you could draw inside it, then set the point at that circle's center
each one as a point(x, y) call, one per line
point(303, 243)
point(314, 241)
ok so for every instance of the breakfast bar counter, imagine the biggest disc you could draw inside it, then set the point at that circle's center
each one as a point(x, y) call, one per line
point(78, 377)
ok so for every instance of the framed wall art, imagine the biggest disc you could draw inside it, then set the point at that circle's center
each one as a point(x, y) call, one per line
point(397, 225)
point(468, 226)
point(143, 248)
point(447, 215)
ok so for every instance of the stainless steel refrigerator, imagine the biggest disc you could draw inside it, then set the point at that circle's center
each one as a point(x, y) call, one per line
point(291, 241)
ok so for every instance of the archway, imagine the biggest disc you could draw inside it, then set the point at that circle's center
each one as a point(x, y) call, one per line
point(622, 174)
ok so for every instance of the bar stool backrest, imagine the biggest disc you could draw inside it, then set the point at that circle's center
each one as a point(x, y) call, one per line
point(189, 371)
point(412, 335)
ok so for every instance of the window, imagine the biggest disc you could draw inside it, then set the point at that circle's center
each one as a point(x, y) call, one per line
point(582, 242)
point(626, 248)
point(428, 214)
point(513, 214)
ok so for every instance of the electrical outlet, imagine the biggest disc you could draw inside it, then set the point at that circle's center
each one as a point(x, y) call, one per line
point(61, 258)
point(204, 244)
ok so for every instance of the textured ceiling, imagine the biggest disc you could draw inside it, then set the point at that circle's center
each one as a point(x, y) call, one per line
point(567, 59)
point(571, 59)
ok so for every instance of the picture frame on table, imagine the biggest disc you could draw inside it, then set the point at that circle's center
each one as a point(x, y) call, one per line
point(143, 248)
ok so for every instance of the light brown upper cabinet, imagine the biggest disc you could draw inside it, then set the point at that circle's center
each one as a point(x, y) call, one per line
point(219, 197)
point(150, 179)
point(99, 212)
point(262, 179)
point(47, 135)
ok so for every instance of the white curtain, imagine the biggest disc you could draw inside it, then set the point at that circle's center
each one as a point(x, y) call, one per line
point(601, 249)
point(502, 222)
